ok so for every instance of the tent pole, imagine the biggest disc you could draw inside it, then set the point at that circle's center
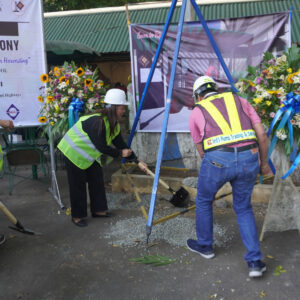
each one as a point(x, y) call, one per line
point(53, 189)
point(158, 51)
point(165, 122)
point(214, 45)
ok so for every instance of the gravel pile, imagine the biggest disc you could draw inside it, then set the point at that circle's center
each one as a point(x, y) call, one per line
point(132, 232)
point(190, 181)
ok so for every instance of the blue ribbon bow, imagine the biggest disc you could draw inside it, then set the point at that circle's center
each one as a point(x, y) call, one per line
point(75, 107)
point(290, 108)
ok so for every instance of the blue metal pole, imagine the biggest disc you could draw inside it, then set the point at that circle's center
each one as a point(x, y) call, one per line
point(165, 122)
point(158, 51)
point(214, 45)
point(291, 15)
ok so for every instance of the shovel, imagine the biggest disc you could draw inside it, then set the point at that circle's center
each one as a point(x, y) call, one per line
point(18, 226)
point(178, 199)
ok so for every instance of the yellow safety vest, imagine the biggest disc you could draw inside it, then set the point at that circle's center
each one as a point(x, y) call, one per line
point(230, 133)
point(79, 149)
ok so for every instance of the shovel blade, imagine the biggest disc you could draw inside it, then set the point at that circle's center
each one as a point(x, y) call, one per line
point(179, 198)
point(24, 230)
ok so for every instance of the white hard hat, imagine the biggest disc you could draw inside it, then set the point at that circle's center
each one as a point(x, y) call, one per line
point(202, 84)
point(115, 97)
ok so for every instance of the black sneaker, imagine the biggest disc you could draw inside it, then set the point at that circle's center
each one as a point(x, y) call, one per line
point(204, 251)
point(256, 268)
point(2, 239)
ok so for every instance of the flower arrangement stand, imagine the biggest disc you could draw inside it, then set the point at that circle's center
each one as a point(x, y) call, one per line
point(283, 212)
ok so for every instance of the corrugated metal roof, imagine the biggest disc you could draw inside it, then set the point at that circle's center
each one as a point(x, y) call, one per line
point(107, 32)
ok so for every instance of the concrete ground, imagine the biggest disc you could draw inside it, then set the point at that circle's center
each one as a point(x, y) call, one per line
point(67, 262)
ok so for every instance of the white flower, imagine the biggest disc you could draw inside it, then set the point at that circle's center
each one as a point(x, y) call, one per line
point(61, 115)
point(80, 94)
point(281, 59)
point(296, 79)
point(281, 134)
point(259, 88)
point(266, 95)
point(92, 100)
point(64, 100)
point(62, 86)
point(282, 77)
point(71, 91)
point(76, 78)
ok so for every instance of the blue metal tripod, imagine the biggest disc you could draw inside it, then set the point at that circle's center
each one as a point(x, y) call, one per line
point(170, 90)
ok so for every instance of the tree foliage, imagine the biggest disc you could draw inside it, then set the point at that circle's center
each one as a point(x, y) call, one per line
point(59, 5)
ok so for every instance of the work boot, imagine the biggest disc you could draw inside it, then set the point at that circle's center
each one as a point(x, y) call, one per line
point(204, 251)
point(2, 239)
point(256, 268)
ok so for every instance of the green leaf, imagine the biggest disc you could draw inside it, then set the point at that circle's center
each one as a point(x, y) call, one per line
point(278, 270)
point(155, 260)
point(252, 70)
point(268, 56)
point(287, 146)
point(293, 57)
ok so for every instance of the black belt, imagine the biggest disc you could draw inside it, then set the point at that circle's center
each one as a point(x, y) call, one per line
point(231, 149)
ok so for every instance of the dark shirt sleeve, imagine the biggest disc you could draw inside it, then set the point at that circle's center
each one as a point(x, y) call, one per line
point(92, 127)
point(119, 142)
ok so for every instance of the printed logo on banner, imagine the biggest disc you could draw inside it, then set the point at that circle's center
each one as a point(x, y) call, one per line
point(12, 112)
point(18, 6)
point(144, 60)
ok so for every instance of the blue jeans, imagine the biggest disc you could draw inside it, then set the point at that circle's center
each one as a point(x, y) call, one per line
point(240, 169)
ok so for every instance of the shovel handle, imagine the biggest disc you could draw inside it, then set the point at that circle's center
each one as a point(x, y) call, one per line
point(8, 213)
point(163, 183)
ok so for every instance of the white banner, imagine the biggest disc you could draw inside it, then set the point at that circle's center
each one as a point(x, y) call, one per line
point(22, 60)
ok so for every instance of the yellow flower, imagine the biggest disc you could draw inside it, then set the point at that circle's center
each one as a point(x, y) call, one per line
point(88, 82)
point(290, 77)
point(42, 119)
point(44, 78)
point(56, 108)
point(79, 71)
point(282, 105)
point(40, 98)
point(56, 71)
point(62, 79)
point(289, 70)
point(49, 99)
point(268, 103)
point(51, 123)
point(251, 83)
point(273, 92)
point(91, 88)
point(257, 100)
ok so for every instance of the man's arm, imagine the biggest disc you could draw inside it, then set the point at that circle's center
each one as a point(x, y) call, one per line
point(199, 148)
point(263, 143)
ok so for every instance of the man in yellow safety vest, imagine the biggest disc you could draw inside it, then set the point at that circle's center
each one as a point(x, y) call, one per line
point(230, 138)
